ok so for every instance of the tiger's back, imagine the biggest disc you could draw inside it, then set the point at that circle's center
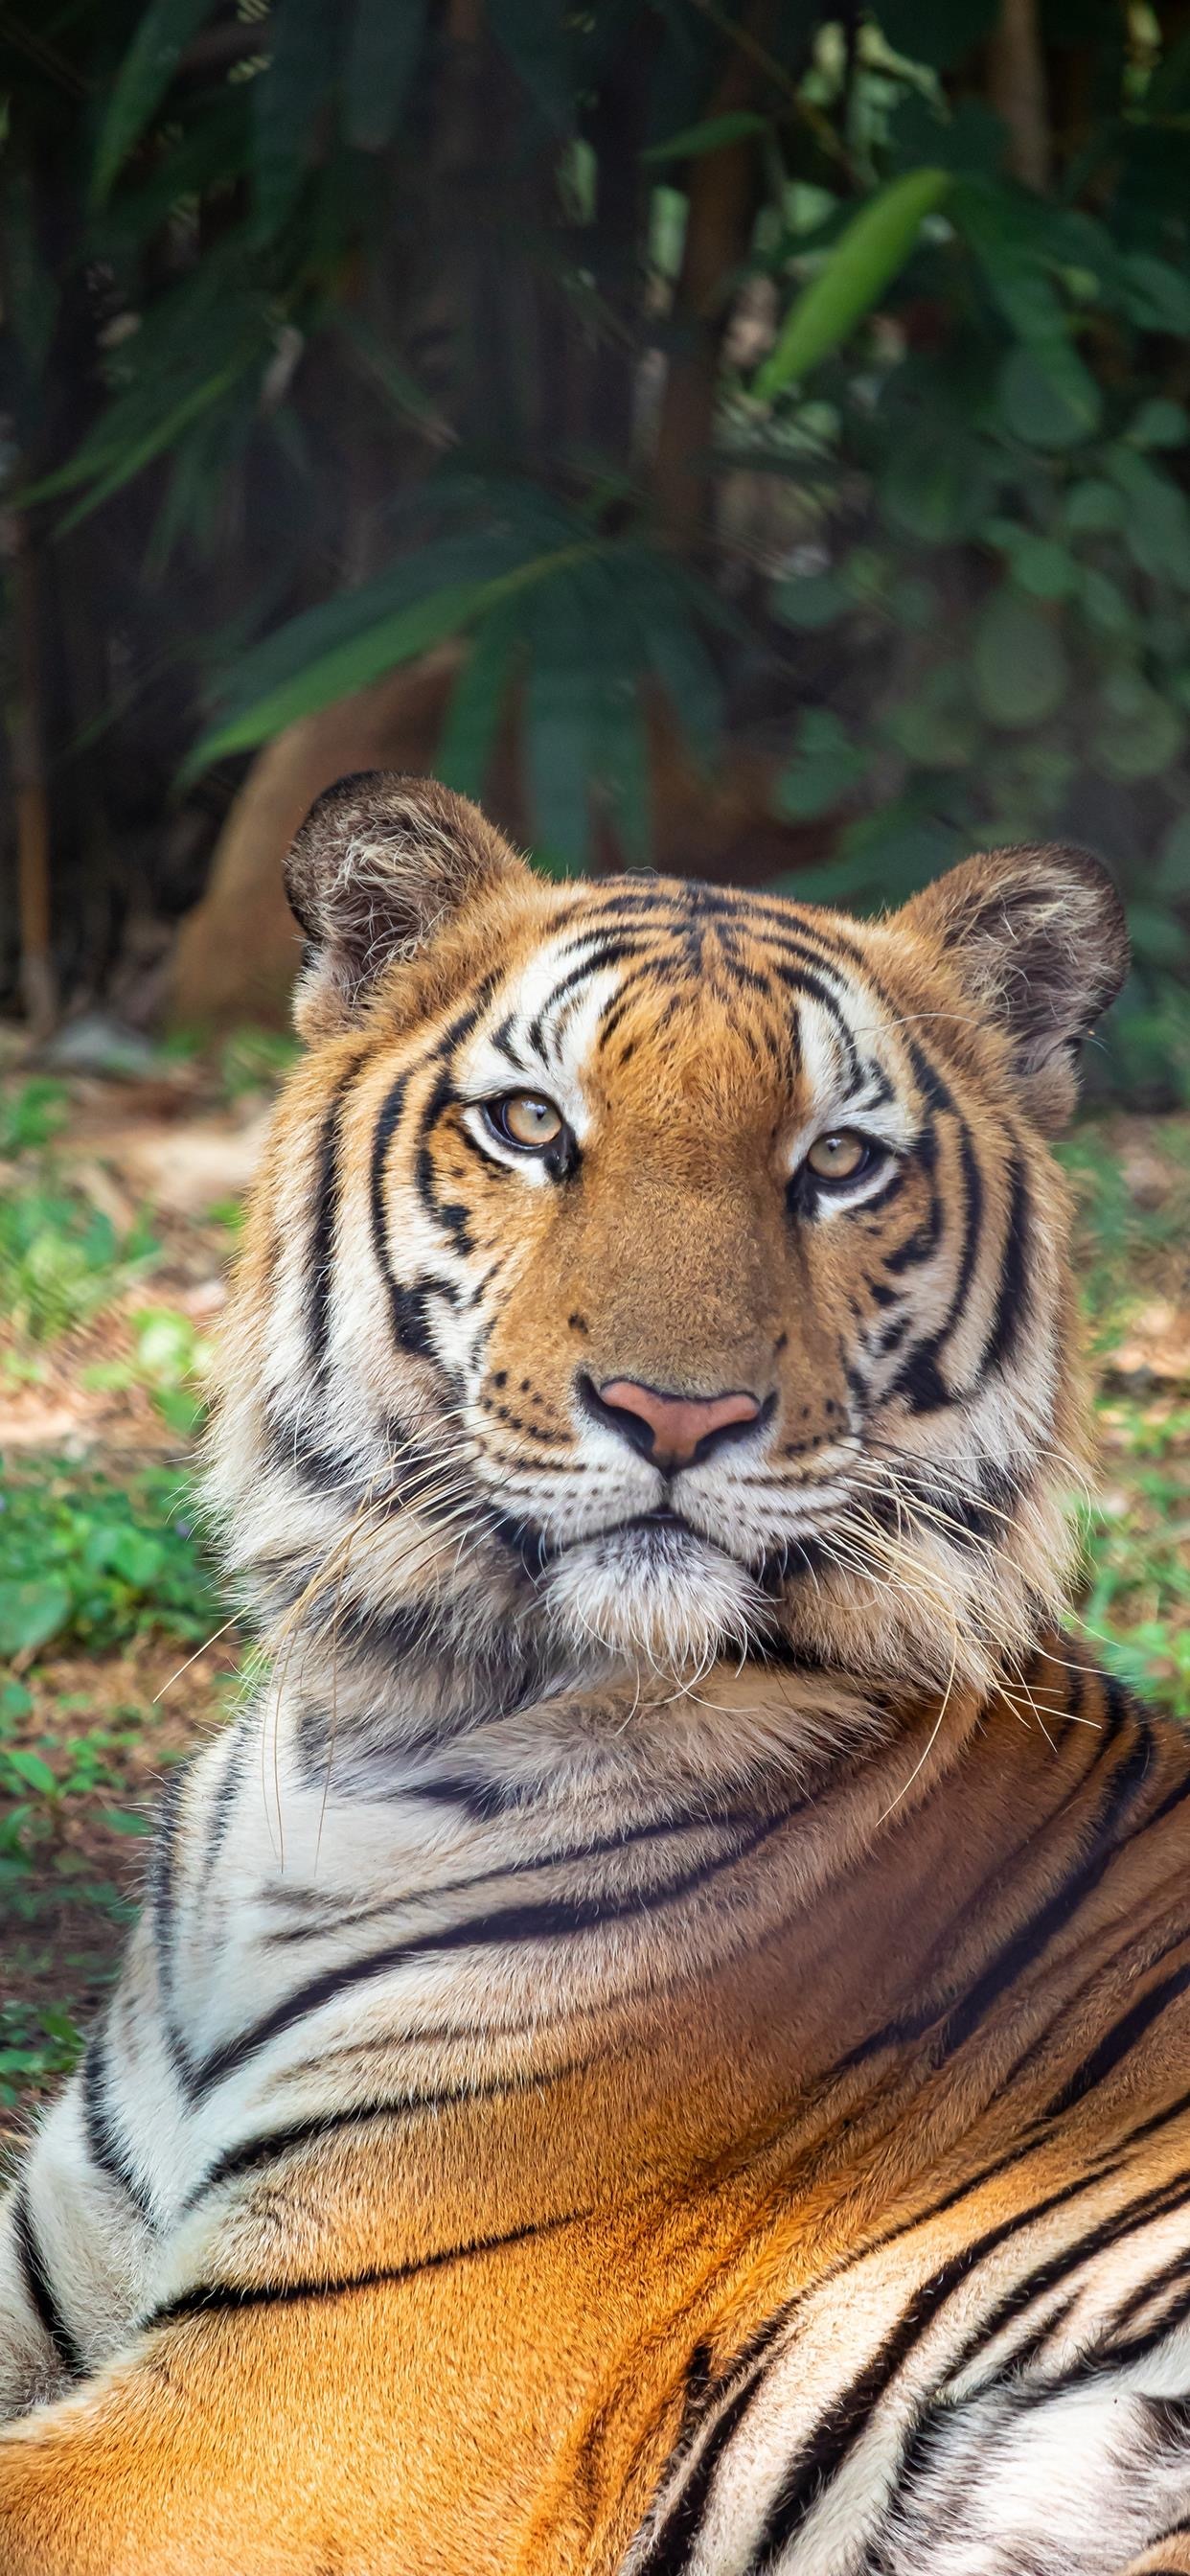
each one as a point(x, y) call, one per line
point(658, 2041)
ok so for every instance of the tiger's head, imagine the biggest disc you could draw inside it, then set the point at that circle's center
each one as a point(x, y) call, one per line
point(645, 1273)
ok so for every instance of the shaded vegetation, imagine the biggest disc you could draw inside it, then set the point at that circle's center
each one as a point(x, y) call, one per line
point(813, 381)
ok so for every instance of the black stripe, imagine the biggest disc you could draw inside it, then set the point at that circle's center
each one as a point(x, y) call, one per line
point(406, 1306)
point(557, 1919)
point(1118, 2042)
point(820, 2460)
point(561, 1856)
point(1010, 1301)
point(223, 1801)
point(670, 2551)
point(104, 2142)
point(1155, 2201)
point(40, 2289)
point(219, 2297)
point(1022, 1947)
point(272, 2144)
point(603, 951)
point(324, 1230)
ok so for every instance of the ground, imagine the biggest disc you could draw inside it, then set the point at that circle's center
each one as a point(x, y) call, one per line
point(119, 1209)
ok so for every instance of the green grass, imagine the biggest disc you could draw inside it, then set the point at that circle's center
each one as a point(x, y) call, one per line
point(62, 1260)
point(90, 1561)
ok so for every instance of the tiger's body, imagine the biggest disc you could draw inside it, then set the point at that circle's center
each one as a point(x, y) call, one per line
point(658, 2040)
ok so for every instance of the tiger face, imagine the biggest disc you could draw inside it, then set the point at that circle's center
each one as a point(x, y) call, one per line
point(652, 1272)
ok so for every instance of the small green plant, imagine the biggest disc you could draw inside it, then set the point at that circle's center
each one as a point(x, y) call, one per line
point(255, 1060)
point(38, 2046)
point(31, 1116)
point(61, 1258)
point(172, 1359)
point(89, 1562)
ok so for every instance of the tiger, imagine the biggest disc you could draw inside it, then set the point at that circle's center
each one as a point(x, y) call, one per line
point(656, 2044)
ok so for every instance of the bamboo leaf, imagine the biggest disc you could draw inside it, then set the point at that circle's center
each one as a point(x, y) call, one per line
point(386, 39)
point(535, 37)
point(141, 83)
point(363, 657)
point(477, 700)
point(875, 245)
point(165, 433)
point(559, 741)
point(289, 97)
point(711, 135)
point(305, 640)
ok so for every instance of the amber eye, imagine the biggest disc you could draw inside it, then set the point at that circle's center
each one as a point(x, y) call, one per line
point(523, 1118)
point(841, 1156)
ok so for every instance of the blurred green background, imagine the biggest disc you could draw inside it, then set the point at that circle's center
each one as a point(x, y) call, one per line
point(739, 438)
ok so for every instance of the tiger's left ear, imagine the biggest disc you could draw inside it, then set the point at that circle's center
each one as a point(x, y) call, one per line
point(381, 866)
point(1039, 939)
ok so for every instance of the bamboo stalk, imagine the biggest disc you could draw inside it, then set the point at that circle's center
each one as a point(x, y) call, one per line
point(1016, 88)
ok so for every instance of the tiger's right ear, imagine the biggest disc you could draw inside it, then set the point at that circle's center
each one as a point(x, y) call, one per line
point(379, 867)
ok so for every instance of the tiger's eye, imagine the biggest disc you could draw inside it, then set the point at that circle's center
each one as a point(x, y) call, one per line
point(525, 1119)
point(839, 1157)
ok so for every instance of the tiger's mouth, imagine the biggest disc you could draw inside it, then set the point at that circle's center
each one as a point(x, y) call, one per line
point(653, 1585)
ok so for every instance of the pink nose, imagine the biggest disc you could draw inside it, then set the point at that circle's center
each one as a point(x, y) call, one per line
point(672, 1430)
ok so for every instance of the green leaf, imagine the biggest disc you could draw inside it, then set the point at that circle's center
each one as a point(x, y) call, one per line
point(937, 32)
point(181, 1411)
point(1157, 518)
point(866, 257)
point(810, 601)
point(709, 136)
point(1143, 733)
point(1159, 424)
point(934, 488)
point(1103, 603)
point(535, 37)
point(1157, 935)
point(31, 1613)
point(825, 767)
point(477, 699)
point(936, 728)
point(1157, 296)
point(136, 453)
point(288, 99)
point(363, 657)
point(1093, 507)
point(1018, 664)
point(1042, 567)
point(559, 728)
point(1172, 873)
point(119, 1820)
point(386, 40)
point(144, 76)
point(1046, 395)
point(666, 610)
point(31, 1770)
point(622, 775)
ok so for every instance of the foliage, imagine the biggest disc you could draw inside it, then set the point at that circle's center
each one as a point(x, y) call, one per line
point(62, 1259)
point(87, 1561)
point(37, 2048)
point(654, 362)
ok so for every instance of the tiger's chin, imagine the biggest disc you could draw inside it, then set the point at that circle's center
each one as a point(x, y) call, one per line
point(655, 1592)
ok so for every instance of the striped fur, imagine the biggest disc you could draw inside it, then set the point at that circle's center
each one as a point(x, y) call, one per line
point(654, 2048)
